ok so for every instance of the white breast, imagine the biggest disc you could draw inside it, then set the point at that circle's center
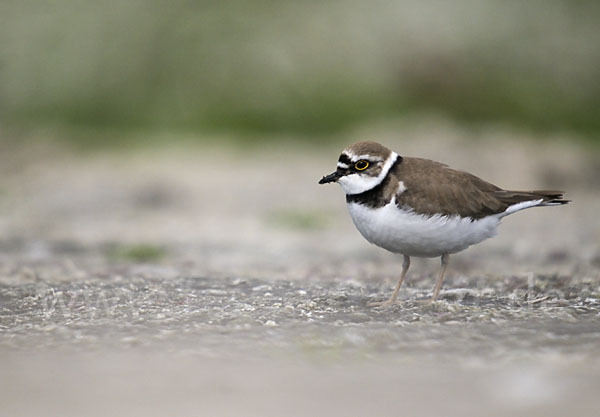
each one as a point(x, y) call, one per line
point(408, 233)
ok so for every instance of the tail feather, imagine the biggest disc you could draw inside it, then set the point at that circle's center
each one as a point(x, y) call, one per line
point(552, 198)
point(520, 200)
point(548, 197)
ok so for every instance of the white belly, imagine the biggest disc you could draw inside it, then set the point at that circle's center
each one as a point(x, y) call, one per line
point(408, 233)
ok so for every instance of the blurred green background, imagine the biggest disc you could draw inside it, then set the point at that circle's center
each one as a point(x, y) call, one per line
point(311, 69)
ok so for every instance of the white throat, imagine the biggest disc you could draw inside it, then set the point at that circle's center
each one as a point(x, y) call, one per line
point(357, 183)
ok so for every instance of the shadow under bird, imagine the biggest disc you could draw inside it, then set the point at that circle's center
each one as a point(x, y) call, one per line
point(418, 207)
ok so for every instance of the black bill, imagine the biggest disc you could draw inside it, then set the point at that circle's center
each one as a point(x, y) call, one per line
point(331, 178)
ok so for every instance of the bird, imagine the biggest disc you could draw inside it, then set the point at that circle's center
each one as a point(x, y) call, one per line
point(422, 208)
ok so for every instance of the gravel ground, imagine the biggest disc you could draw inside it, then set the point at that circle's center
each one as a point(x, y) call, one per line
point(216, 281)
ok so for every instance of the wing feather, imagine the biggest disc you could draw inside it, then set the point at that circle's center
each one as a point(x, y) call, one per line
point(433, 188)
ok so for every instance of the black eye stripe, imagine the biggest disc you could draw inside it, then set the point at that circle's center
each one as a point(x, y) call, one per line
point(345, 159)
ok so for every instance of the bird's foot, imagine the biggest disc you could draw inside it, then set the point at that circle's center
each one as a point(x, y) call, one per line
point(382, 304)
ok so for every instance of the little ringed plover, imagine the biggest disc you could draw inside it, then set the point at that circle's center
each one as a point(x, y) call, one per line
point(418, 207)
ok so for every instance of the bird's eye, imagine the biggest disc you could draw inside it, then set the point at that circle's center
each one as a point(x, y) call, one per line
point(361, 165)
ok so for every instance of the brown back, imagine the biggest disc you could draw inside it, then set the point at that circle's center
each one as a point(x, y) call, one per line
point(434, 188)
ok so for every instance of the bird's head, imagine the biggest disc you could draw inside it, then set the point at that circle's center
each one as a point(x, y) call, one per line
point(361, 167)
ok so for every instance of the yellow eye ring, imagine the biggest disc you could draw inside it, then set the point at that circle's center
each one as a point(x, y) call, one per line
point(361, 165)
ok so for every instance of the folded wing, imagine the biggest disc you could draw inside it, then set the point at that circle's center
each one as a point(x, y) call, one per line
point(432, 188)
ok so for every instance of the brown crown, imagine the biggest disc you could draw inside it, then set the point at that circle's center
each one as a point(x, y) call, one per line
point(368, 148)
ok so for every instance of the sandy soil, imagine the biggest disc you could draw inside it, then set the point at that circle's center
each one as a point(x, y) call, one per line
point(218, 281)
